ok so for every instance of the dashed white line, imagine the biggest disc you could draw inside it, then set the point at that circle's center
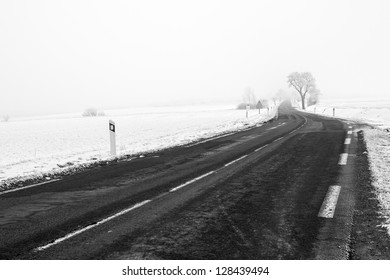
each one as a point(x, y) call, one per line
point(191, 181)
point(77, 232)
point(230, 163)
point(209, 139)
point(258, 149)
point(328, 207)
point(343, 159)
point(30, 186)
point(347, 141)
point(349, 132)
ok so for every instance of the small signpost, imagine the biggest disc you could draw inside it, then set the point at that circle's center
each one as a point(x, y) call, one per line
point(112, 138)
point(247, 110)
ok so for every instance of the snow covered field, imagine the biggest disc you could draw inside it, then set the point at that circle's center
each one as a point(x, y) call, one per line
point(377, 114)
point(37, 146)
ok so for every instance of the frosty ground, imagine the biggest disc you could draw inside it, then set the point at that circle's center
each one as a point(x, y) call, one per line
point(376, 115)
point(44, 147)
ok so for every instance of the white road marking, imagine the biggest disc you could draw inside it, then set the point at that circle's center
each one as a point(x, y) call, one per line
point(349, 132)
point(343, 159)
point(272, 128)
point(277, 139)
point(260, 148)
point(328, 207)
point(233, 161)
point(350, 127)
point(30, 186)
point(209, 139)
point(192, 181)
point(77, 232)
point(347, 141)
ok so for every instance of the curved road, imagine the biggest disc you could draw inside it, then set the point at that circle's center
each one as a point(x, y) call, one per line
point(256, 194)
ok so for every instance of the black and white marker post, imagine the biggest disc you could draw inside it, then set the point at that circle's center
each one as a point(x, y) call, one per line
point(247, 110)
point(112, 138)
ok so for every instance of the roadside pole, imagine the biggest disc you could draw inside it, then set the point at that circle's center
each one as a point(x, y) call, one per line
point(334, 112)
point(112, 138)
point(247, 110)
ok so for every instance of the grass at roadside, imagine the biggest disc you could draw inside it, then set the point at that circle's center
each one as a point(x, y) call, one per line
point(378, 148)
point(369, 237)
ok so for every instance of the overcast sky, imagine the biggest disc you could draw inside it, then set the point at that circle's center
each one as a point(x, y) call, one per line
point(59, 56)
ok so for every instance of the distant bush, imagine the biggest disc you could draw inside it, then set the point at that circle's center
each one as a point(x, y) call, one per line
point(5, 118)
point(93, 112)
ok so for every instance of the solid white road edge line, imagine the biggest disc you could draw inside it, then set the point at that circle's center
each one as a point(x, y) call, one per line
point(328, 207)
point(30, 186)
point(347, 141)
point(343, 159)
point(77, 232)
point(191, 181)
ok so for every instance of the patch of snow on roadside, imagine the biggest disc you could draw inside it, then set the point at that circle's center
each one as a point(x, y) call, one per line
point(378, 146)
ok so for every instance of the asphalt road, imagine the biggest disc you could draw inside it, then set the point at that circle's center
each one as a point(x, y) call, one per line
point(256, 194)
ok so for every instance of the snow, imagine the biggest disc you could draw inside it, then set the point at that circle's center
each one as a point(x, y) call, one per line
point(376, 113)
point(41, 147)
point(378, 147)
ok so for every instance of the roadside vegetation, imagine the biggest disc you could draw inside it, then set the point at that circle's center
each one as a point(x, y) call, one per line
point(93, 112)
point(5, 118)
point(378, 147)
point(305, 85)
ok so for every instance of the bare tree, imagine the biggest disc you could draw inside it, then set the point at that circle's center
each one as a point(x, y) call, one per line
point(249, 96)
point(304, 83)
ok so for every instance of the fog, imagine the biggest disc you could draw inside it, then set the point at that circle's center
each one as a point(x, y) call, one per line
point(64, 56)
